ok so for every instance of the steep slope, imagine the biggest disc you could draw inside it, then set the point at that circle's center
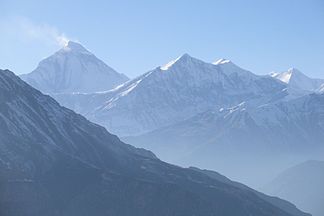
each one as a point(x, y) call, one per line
point(297, 80)
point(288, 207)
point(73, 69)
point(172, 93)
point(273, 134)
point(303, 185)
point(55, 162)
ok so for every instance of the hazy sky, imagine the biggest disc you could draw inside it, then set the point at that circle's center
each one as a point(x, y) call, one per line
point(136, 36)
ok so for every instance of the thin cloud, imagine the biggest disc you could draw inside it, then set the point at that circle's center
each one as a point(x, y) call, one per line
point(29, 30)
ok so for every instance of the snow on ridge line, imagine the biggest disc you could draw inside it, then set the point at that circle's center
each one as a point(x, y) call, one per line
point(221, 61)
point(285, 77)
point(169, 64)
point(124, 92)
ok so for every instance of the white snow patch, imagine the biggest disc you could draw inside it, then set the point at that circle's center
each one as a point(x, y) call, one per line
point(168, 65)
point(286, 77)
point(221, 61)
point(240, 106)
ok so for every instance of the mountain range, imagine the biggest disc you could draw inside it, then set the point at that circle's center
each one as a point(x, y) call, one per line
point(56, 162)
point(212, 115)
point(172, 93)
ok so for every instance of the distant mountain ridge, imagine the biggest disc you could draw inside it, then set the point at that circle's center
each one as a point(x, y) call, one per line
point(73, 69)
point(287, 124)
point(302, 184)
point(274, 200)
point(172, 93)
point(231, 140)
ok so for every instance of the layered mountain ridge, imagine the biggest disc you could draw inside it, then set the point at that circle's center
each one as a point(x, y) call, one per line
point(213, 115)
point(301, 184)
point(55, 162)
point(172, 93)
point(232, 139)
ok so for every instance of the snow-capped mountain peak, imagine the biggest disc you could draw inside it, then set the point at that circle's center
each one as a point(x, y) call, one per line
point(72, 46)
point(169, 64)
point(292, 72)
point(73, 69)
point(284, 77)
point(297, 80)
point(181, 60)
point(229, 68)
point(287, 76)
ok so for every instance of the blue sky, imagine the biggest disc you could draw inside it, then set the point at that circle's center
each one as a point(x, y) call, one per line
point(136, 36)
